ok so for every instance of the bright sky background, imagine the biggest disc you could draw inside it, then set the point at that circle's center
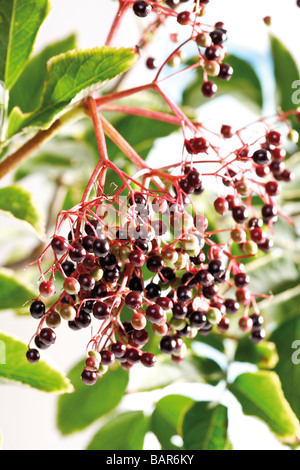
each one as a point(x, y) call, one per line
point(25, 413)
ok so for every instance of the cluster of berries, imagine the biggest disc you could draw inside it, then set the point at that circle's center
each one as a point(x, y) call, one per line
point(144, 263)
point(161, 263)
point(209, 40)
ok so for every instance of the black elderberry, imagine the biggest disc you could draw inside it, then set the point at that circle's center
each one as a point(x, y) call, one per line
point(68, 268)
point(101, 247)
point(142, 8)
point(168, 344)
point(135, 284)
point(218, 36)
point(83, 320)
point(47, 336)
point(37, 309)
point(153, 291)
point(33, 356)
point(226, 72)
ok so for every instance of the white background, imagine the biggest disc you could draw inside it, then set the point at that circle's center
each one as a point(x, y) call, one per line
point(28, 417)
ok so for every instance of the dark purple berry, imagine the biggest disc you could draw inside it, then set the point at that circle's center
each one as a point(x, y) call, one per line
point(37, 309)
point(33, 356)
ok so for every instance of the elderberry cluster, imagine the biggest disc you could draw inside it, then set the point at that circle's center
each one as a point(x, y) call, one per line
point(160, 263)
point(209, 40)
point(141, 263)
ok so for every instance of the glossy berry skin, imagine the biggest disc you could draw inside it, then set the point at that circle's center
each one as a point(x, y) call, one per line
point(142, 8)
point(148, 359)
point(47, 289)
point(32, 356)
point(257, 336)
point(240, 214)
point(89, 377)
point(272, 188)
point(153, 291)
point(269, 212)
point(107, 357)
point(194, 179)
point(100, 310)
point(241, 280)
point(212, 53)
point(86, 281)
point(37, 309)
point(77, 253)
point(101, 247)
point(226, 72)
point(59, 245)
point(262, 157)
point(47, 336)
point(168, 345)
point(133, 356)
point(133, 300)
point(137, 258)
point(221, 206)
point(108, 262)
point(274, 138)
point(83, 320)
point(139, 337)
point(198, 319)
point(183, 17)
point(118, 349)
point(258, 321)
point(151, 63)
point(209, 89)
point(218, 36)
point(135, 284)
point(245, 324)
point(155, 263)
point(223, 325)
point(155, 314)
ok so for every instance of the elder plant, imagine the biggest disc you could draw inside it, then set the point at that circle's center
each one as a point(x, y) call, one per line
point(144, 257)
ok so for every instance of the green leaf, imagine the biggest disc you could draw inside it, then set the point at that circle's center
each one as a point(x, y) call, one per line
point(205, 427)
point(244, 86)
point(167, 417)
point(41, 376)
point(74, 159)
point(124, 432)
point(14, 292)
point(286, 73)
point(264, 273)
point(260, 394)
point(198, 369)
point(27, 91)
point(264, 354)
point(68, 76)
point(287, 340)
point(20, 21)
point(17, 202)
point(87, 404)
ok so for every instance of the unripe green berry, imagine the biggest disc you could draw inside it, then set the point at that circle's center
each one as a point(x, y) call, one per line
point(293, 136)
point(170, 257)
point(102, 369)
point(95, 354)
point(67, 312)
point(182, 261)
point(97, 274)
point(203, 40)
point(250, 248)
point(177, 324)
point(212, 68)
point(124, 253)
point(214, 315)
